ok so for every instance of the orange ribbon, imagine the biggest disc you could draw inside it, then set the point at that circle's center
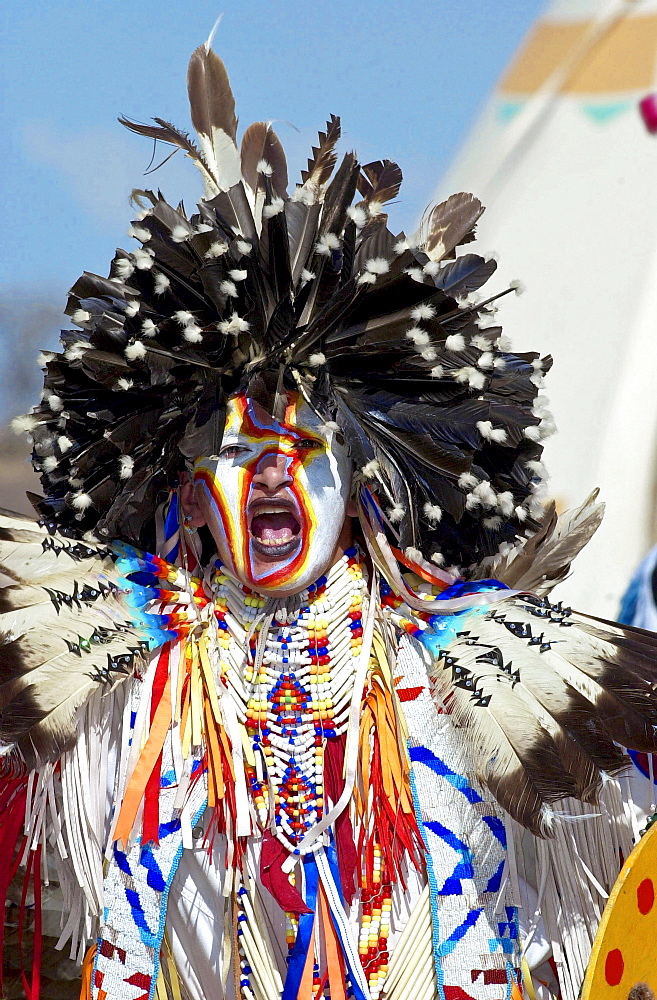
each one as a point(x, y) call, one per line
point(87, 972)
point(144, 767)
point(332, 950)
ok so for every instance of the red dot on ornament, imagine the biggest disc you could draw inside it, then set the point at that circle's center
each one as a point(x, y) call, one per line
point(645, 896)
point(614, 967)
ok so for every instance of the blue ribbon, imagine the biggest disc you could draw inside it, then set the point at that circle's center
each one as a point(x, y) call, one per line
point(465, 587)
point(171, 526)
point(304, 939)
point(443, 628)
point(332, 858)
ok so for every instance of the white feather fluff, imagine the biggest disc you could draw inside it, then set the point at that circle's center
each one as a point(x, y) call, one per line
point(135, 351)
point(162, 283)
point(81, 501)
point(180, 233)
point(124, 268)
point(424, 311)
point(433, 512)
point(370, 468)
point(217, 249)
point(143, 259)
point(419, 336)
point(56, 403)
point(396, 513)
point(126, 465)
point(234, 325)
point(377, 265)
point(489, 433)
point(455, 342)
point(326, 244)
point(467, 481)
point(357, 215)
point(276, 207)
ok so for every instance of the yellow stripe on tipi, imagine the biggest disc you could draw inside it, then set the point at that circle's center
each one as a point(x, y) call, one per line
point(622, 60)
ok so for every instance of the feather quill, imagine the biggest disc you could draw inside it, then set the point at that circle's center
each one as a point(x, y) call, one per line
point(164, 131)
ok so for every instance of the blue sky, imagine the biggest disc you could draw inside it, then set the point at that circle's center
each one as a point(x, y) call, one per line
point(407, 78)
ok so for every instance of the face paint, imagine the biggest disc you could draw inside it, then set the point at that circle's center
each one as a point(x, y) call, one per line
point(275, 497)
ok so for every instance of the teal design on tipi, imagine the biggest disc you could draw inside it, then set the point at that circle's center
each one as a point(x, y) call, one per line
point(507, 111)
point(603, 113)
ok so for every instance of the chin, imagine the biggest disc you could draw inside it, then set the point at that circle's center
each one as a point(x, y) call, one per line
point(272, 573)
point(282, 570)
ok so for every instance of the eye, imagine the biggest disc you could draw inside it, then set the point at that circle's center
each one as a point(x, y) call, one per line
point(232, 451)
point(305, 444)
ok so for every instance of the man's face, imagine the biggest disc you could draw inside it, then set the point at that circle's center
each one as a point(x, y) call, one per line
point(275, 497)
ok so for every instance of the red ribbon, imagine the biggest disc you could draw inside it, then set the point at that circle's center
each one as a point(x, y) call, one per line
point(275, 880)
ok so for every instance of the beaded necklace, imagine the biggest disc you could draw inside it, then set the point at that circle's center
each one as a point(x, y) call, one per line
point(293, 687)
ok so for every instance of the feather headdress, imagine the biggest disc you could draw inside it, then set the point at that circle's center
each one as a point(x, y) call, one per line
point(268, 291)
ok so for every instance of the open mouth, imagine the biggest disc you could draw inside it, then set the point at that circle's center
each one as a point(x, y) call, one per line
point(274, 528)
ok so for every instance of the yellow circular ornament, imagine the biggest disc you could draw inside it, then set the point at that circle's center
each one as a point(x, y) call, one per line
point(623, 963)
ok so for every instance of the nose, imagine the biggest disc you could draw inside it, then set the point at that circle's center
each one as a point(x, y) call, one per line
point(272, 473)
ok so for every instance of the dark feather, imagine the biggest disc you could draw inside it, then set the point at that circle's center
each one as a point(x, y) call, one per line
point(339, 195)
point(451, 224)
point(235, 212)
point(211, 99)
point(321, 163)
point(260, 142)
point(302, 222)
point(379, 181)
point(465, 274)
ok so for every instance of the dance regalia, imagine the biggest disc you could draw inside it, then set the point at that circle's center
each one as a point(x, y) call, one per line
point(404, 780)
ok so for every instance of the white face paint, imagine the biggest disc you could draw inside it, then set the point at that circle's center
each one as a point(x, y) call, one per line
point(275, 497)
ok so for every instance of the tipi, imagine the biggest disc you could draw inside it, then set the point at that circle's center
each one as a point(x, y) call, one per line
point(567, 168)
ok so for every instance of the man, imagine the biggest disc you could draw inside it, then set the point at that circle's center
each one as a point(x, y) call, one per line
point(270, 704)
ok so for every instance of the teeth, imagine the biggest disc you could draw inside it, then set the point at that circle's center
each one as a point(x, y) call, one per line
point(274, 542)
point(272, 510)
